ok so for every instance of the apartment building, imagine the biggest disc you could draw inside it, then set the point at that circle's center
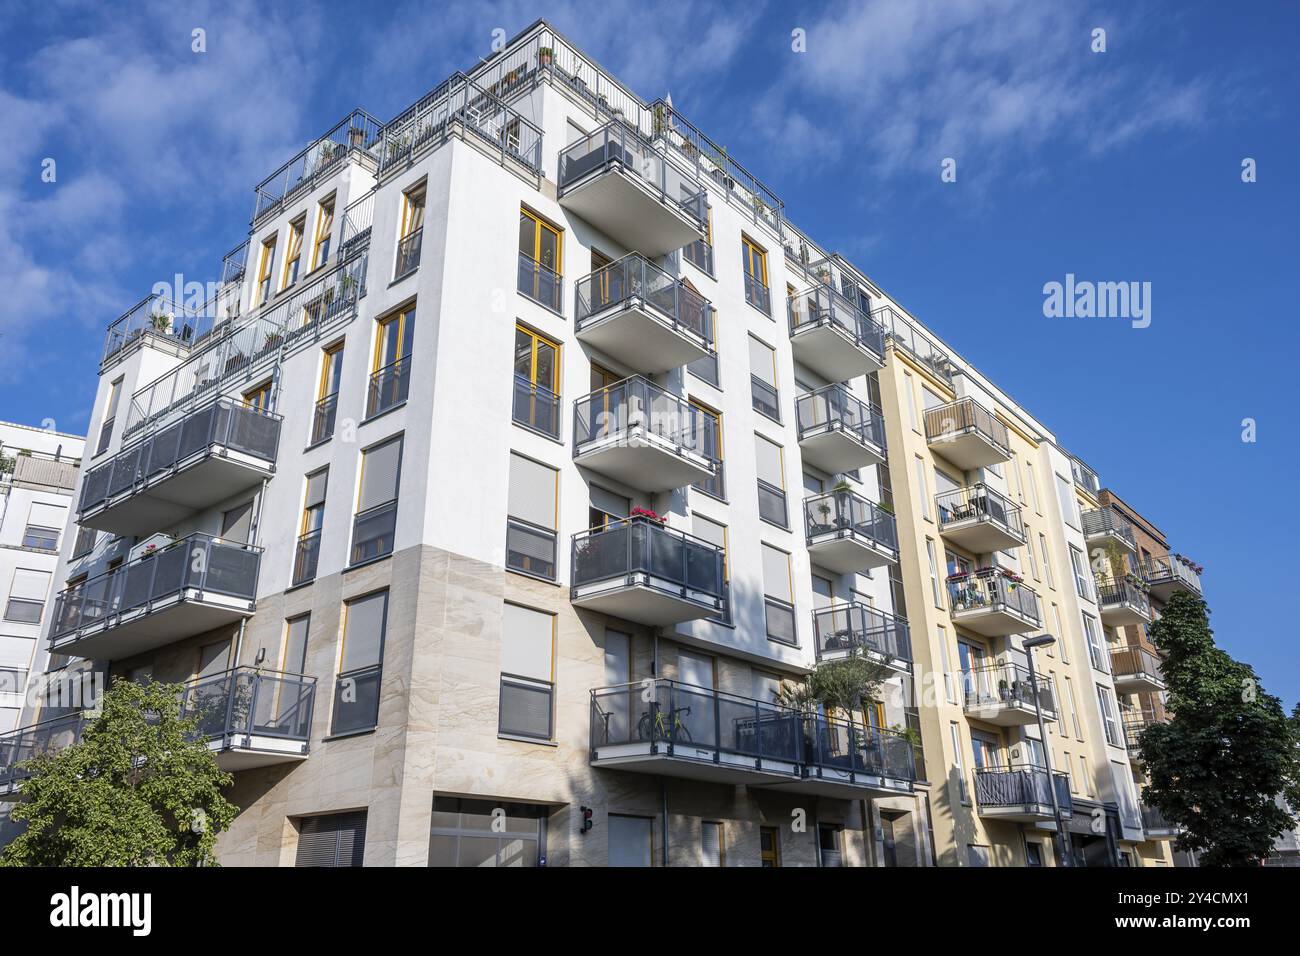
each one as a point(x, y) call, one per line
point(38, 471)
point(527, 457)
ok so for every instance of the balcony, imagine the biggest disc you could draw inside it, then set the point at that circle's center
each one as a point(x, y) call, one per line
point(1135, 720)
point(844, 630)
point(643, 317)
point(980, 519)
point(639, 570)
point(318, 162)
point(252, 717)
point(24, 468)
point(1168, 573)
point(186, 588)
point(1084, 477)
point(831, 335)
point(1136, 670)
point(697, 733)
point(204, 458)
point(1155, 826)
point(847, 533)
point(1102, 527)
point(967, 434)
point(249, 718)
point(629, 190)
point(839, 432)
point(643, 436)
point(1005, 694)
point(1021, 794)
point(1123, 601)
point(993, 602)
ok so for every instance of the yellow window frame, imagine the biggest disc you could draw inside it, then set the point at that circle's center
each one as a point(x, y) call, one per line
point(538, 225)
point(409, 205)
point(403, 339)
point(324, 226)
point(265, 266)
point(328, 357)
point(259, 397)
point(293, 248)
point(755, 255)
point(536, 338)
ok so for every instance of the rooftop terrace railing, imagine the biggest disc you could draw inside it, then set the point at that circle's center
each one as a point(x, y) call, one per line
point(158, 316)
point(903, 333)
point(37, 469)
point(324, 157)
point(1084, 476)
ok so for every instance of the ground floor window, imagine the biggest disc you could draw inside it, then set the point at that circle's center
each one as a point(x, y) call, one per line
point(631, 841)
point(334, 839)
point(487, 833)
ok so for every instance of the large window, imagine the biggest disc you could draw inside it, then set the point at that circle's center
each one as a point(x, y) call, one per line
point(265, 269)
point(764, 393)
point(1106, 704)
point(27, 596)
point(536, 402)
point(293, 252)
point(540, 260)
point(486, 833)
point(44, 524)
point(110, 415)
point(390, 379)
point(532, 517)
point(756, 284)
point(527, 673)
point(711, 531)
point(324, 229)
point(293, 660)
point(711, 424)
point(327, 393)
point(778, 596)
point(375, 522)
point(770, 459)
point(356, 690)
point(408, 246)
point(631, 840)
point(1096, 652)
point(307, 554)
point(1069, 508)
point(1082, 574)
point(336, 839)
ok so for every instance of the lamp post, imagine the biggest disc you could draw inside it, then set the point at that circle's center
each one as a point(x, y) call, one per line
point(1043, 640)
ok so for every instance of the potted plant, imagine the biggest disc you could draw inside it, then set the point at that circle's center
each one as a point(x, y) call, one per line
point(162, 321)
point(648, 515)
point(545, 56)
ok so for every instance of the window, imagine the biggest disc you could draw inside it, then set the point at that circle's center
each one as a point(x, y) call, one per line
point(324, 228)
point(778, 596)
point(532, 515)
point(338, 839)
point(1106, 704)
point(631, 840)
point(265, 269)
point(473, 833)
point(293, 252)
point(1029, 552)
point(700, 252)
point(1064, 642)
point(537, 382)
point(214, 660)
point(958, 761)
point(977, 855)
point(934, 573)
point(527, 673)
point(946, 661)
point(307, 554)
point(1074, 709)
point(293, 660)
point(770, 458)
point(1047, 559)
point(756, 285)
point(1033, 487)
point(828, 845)
point(259, 397)
point(390, 379)
point(713, 850)
point(327, 393)
point(1082, 574)
point(1086, 784)
point(110, 415)
point(356, 691)
point(769, 847)
point(27, 596)
point(711, 531)
point(922, 487)
point(85, 542)
point(237, 523)
point(540, 260)
point(408, 247)
point(44, 524)
point(375, 522)
point(762, 379)
point(1096, 652)
point(711, 443)
point(1069, 510)
point(910, 388)
point(1033, 854)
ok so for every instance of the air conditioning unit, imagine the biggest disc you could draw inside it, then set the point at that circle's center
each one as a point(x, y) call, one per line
point(155, 542)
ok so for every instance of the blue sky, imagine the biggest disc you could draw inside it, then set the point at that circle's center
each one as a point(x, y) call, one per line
point(1115, 166)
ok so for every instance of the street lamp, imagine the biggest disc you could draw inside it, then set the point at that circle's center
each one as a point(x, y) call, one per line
point(1043, 640)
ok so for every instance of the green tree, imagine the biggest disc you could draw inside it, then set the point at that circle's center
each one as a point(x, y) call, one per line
point(1229, 750)
point(838, 685)
point(138, 790)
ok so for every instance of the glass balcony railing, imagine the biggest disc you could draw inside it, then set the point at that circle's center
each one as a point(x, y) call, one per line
point(408, 254)
point(373, 532)
point(638, 405)
point(848, 628)
point(966, 416)
point(980, 503)
point(1126, 592)
point(700, 254)
point(322, 420)
point(617, 146)
point(199, 563)
point(156, 316)
point(541, 283)
point(848, 514)
point(853, 748)
point(1007, 685)
point(835, 408)
point(757, 294)
point(389, 387)
point(1021, 786)
point(822, 306)
point(224, 424)
point(633, 279)
point(663, 558)
point(536, 407)
point(23, 744)
point(1104, 522)
point(1168, 571)
point(995, 591)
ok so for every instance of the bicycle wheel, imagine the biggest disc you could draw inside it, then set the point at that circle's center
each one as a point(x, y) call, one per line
point(683, 733)
point(645, 728)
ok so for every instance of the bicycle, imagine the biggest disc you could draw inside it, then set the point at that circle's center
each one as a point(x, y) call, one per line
point(664, 725)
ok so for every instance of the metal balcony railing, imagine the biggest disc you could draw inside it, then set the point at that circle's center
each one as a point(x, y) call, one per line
point(993, 590)
point(981, 503)
point(634, 278)
point(618, 146)
point(764, 398)
point(1103, 521)
point(904, 334)
point(316, 162)
point(1137, 719)
point(853, 748)
point(38, 470)
point(234, 263)
point(857, 627)
point(198, 562)
point(226, 423)
point(1153, 819)
point(1126, 591)
point(47, 737)
point(536, 407)
point(1084, 477)
point(634, 404)
point(1165, 569)
point(541, 283)
point(373, 532)
point(670, 560)
point(323, 418)
point(848, 514)
point(821, 305)
point(306, 557)
point(757, 294)
point(963, 416)
point(389, 387)
point(1021, 785)
point(1134, 659)
point(408, 254)
point(1007, 685)
point(250, 702)
point(835, 408)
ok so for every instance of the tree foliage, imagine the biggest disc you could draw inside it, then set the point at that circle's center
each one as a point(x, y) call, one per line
point(839, 685)
point(1229, 751)
point(138, 790)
